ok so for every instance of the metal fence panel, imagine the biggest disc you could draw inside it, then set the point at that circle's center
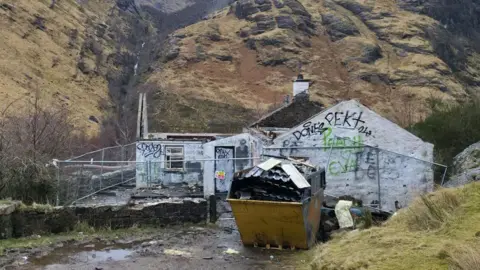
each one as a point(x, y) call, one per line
point(378, 177)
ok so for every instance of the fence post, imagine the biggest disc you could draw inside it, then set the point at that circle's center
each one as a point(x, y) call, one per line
point(329, 155)
point(101, 168)
point(79, 183)
point(122, 157)
point(378, 179)
point(444, 173)
point(58, 185)
point(149, 175)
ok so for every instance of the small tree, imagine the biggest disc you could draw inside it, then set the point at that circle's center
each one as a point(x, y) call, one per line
point(30, 140)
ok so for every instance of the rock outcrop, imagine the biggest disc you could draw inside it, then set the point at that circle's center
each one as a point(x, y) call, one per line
point(466, 167)
point(381, 52)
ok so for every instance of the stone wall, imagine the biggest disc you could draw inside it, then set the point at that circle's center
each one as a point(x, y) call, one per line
point(26, 221)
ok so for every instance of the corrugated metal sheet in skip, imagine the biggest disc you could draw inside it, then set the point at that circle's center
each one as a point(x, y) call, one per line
point(252, 172)
point(295, 176)
point(270, 163)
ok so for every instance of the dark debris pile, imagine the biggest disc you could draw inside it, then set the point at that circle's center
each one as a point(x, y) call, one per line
point(273, 180)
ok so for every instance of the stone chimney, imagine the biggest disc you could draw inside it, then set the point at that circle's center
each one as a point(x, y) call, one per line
point(300, 88)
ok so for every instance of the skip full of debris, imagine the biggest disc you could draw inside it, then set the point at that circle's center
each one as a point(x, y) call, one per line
point(276, 180)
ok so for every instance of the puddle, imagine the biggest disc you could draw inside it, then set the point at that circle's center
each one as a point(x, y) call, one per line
point(85, 253)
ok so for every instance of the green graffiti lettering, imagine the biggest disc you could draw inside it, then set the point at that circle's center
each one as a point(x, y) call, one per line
point(334, 169)
point(327, 141)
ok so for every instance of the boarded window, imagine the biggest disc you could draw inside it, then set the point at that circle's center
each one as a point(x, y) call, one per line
point(174, 157)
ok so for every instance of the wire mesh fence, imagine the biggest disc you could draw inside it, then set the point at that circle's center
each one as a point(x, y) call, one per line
point(380, 178)
point(115, 153)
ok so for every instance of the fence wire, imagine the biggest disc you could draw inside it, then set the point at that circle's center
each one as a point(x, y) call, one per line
point(381, 178)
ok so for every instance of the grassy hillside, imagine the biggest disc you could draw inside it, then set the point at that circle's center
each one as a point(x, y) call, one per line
point(438, 231)
point(42, 48)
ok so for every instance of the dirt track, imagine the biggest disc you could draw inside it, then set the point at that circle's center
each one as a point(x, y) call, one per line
point(189, 247)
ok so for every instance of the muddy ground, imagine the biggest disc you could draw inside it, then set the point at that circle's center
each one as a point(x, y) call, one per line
point(185, 247)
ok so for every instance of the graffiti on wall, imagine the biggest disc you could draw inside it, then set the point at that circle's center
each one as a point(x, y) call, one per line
point(241, 151)
point(349, 150)
point(150, 149)
point(223, 153)
point(348, 120)
point(347, 158)
point(340, 119)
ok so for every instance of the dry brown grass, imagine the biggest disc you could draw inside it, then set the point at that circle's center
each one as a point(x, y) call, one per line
point(47, 58)
point(435, 232)
point(465, 257)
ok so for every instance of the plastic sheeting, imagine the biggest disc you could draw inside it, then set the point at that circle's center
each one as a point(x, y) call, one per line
point(342, 211)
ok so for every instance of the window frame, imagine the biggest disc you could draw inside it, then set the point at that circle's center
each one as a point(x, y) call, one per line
point(169, 155)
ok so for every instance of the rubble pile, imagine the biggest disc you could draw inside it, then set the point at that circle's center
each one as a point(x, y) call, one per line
point(273, 180)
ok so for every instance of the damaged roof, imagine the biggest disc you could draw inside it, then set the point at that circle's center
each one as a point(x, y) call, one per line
point(292, 114)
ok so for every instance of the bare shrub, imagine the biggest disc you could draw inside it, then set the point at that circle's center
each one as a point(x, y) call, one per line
point(28, 142)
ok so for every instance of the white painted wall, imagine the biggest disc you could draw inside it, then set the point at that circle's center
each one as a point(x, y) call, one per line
point(253, 144)
point(354, 171)
point(154, 151)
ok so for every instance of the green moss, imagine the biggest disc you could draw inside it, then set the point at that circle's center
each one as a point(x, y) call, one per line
point(2, 202)
point(46, 208)
point(88, 234)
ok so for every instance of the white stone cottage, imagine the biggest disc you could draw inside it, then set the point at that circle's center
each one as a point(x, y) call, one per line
point(364, 154)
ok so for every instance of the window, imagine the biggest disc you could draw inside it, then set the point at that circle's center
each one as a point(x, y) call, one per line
point(174, 157)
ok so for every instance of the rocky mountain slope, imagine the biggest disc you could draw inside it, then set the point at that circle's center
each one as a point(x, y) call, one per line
point(230, 67)
point(90, 56)
point(392, 55)
point(54, 50)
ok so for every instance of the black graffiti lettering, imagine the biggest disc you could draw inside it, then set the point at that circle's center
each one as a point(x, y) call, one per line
point(371, 171)
point(150, 149)
point(347, 117)
point(358, 120)
point(297, 135)
point(372, 164)
point(242, 152)
point(309, 129)
point(329, 118)
point(337, 119)
point(365, 131)
point(370, 158)
point(223, 153)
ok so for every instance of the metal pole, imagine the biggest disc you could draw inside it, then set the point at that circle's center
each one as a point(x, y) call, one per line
point(444, 174)
point(58, 185)
point(329, 155)
point(149, 180)
point(122, 156)
point(78, 184)
point(101, 168)
point(378, 179)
